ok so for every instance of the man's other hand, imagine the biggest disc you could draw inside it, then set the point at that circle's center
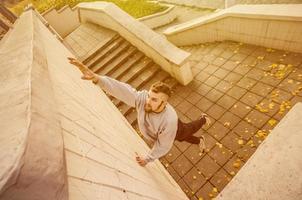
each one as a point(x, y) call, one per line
point(142, 162)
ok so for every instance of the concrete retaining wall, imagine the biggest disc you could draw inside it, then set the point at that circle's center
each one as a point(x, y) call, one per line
point(273, 26)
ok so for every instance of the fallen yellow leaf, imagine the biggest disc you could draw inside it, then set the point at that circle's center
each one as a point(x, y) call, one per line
point(219, 144)
point(272, 122)
point(240, 142)
point(214, 190)
point(236, 164)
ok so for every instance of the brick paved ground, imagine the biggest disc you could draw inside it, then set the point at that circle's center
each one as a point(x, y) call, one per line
point(246, 90)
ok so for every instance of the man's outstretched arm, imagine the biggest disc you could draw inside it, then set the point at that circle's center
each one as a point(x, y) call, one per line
point(119, 90)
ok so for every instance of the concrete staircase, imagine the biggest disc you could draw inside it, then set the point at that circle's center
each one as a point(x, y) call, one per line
point(119, 59)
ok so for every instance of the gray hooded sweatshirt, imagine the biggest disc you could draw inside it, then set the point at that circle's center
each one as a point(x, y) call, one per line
point(160, 128)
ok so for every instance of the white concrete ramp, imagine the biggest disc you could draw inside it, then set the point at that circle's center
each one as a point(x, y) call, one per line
point(275, 170)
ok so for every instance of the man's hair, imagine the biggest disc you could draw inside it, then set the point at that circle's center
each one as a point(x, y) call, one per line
point(161, 87)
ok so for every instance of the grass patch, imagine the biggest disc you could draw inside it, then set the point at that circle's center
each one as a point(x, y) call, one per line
point(136, 8)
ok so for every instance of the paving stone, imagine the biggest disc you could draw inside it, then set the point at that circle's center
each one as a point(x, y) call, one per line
point(219, 61)
point(231, 141)
point(216, 111)
point(201, 65)
point(220, 154)
point(229, 120)
point(206, 192)
point(221, 73)
point(212, 81)
point(194, 113)
point(236, 92)
point(173, 173)
point(184, 106)
point(172, 154)
point(194, 84)
point(203, 89)
point(210, 69)
point(233, 77)
point(257, 118)
point(185, 188)
point(240, 109)
point(270, 80)
point(233, 165)
point(264, 65)
point(245, 130)
point(182, 146)
point(194, 179)
point(210, 141)
point(250, 60)
point(209, 58)
point(262, 89)
point(246, 83)
point(183, 91)
point(251, 99)
point(296, 74)
point(223, 86)
point(226, 101)
point(174, 100)
point(255, 74)
point(193, 153)
point(279, 95)
point(182, 165)
point(230, 65)
point(194, 97)
point(227, 54)
point(290, 85)
point(214, 95)
point(207, 166)
point(246, 152)
point(218, 131)
point(204, 104)
point(202, 76)
point(238, 57)
point(220, 179)
point(242, 69)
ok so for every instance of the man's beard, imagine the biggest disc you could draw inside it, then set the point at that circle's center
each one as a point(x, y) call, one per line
point(147, 108)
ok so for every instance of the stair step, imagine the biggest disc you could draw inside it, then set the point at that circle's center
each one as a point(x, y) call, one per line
point(160, 76)
point(172, 82)
point(118, 61)
point(136, 70)
point(125, 109)
point(132, 60)
point(132, 117)
point(102, 64)
point(145, 76)
point(104, 52)
point(92, 56)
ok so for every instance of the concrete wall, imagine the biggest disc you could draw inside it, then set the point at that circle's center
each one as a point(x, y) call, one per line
point(214, 4)
point(31, 143)
point(98, 150)
point(274, 171)
point(159, 19)
point(155, 46)
point(274, 26)
point(230, 3)
point(64, 21)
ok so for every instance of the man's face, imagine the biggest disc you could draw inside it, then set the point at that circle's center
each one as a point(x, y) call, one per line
point(155, 101)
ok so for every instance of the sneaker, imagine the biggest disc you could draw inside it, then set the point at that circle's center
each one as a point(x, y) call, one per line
point(202, 145)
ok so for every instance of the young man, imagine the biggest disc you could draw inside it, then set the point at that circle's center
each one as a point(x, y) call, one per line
point(157, 119)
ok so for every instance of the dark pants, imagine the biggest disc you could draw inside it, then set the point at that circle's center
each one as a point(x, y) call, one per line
point(185, 131)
